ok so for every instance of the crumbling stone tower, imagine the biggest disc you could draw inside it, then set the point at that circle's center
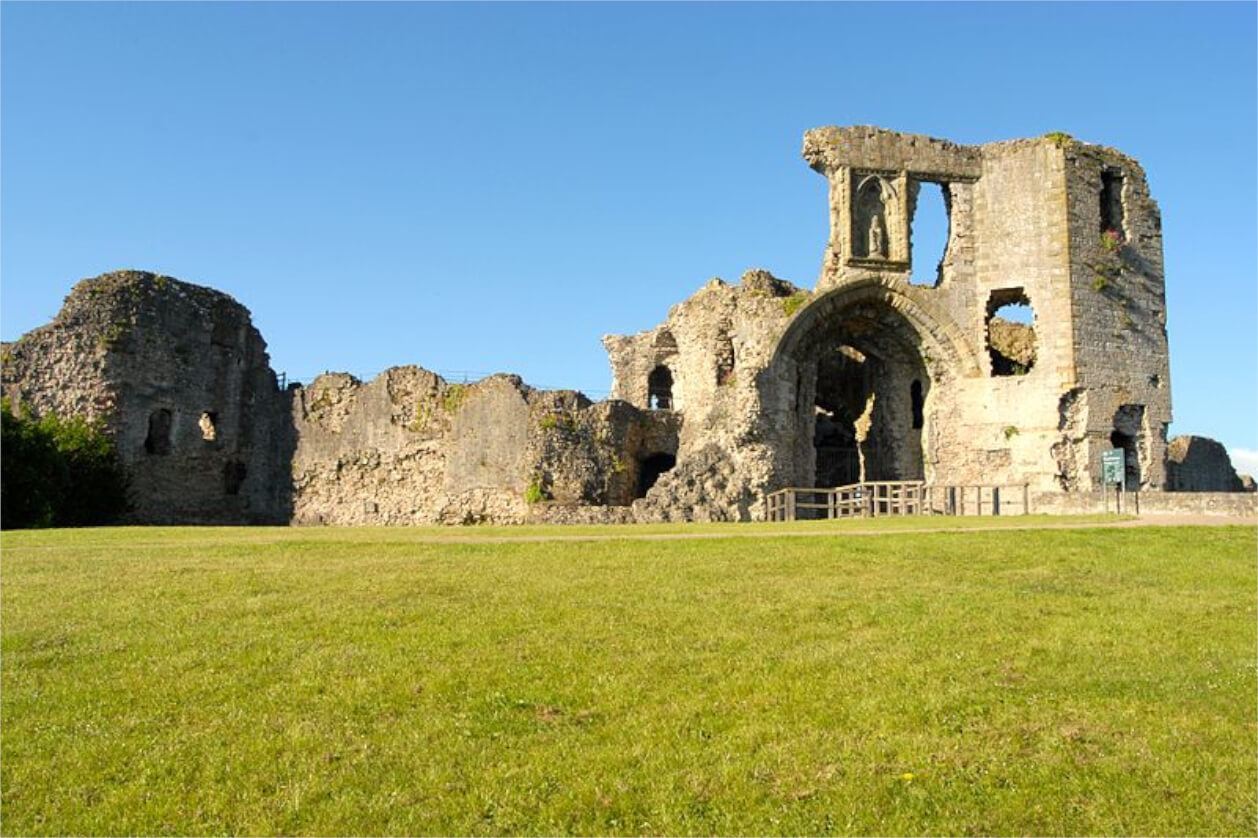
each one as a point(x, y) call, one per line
point(891, 370)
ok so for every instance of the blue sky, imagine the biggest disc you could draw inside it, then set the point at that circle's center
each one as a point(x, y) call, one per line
point(481, 187)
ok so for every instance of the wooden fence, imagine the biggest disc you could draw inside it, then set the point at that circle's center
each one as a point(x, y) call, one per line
point(890, 497)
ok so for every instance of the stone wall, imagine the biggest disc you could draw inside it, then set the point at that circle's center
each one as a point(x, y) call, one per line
point(182, 382)
point(1241, 505)
point(1118, 316)
point(411, 448)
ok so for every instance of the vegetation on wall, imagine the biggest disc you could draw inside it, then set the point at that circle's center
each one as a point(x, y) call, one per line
point(56, 472)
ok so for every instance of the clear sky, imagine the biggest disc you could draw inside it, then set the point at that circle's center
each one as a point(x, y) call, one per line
point(482, 187)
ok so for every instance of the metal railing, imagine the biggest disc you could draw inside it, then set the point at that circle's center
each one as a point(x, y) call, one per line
point(872, 499)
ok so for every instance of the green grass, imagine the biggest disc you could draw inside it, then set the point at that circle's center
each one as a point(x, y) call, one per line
point(366, 681)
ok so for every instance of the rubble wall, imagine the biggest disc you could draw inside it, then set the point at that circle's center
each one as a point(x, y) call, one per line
point(1199, 464)
point(412, 448)
point(181, 381)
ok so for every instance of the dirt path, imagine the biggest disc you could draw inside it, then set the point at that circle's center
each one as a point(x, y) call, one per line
point(1141, 521)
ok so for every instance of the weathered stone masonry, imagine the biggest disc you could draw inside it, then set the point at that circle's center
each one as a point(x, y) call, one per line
point(886, 369)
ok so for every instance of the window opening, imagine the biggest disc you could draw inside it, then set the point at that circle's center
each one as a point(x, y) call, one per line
point(915, 396)
point(929, 233)
point(157, 441)
point(660, 389)
point(1112, 202)
point(234, 473)
point(1010, 332)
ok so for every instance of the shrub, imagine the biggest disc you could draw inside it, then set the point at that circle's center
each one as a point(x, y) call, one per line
point(56, 472)
point(1060, 138)
point(535, 493)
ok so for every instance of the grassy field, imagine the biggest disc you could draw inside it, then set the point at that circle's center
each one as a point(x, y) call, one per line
point(365, 681)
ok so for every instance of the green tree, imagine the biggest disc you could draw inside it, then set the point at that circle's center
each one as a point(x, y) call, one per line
point(56, 472)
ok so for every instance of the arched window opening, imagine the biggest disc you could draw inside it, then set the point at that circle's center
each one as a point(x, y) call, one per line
point(157, 441)
point(660, 389)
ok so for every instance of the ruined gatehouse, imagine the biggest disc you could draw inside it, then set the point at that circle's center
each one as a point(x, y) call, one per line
point(884, 370)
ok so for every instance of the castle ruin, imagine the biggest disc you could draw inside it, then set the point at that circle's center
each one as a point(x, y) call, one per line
point(885, 370)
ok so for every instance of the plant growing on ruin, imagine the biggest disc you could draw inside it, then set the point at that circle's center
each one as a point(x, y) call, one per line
point(420, 423)
point(553, 421)
point(1010, 431)
point(1060, 138)
point(535, 492)
point(794, 302)
point(455, 394)
point(1112, 241)
point(111, 337)
point(618, 465)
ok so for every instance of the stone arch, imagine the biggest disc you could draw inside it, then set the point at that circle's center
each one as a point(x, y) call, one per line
point(853, 374)
point(944, 344)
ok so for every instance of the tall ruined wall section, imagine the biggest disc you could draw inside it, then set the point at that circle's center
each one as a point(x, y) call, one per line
point(1118, 295)
point(1006, 425)
point(711, 350)
point(182, 382)
point(411, 448)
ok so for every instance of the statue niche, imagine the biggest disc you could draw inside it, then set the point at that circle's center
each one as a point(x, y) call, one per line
point(874, 195)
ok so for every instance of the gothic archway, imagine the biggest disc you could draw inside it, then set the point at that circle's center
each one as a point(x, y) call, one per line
point(857, 367)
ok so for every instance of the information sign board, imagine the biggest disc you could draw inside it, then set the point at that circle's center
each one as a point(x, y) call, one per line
point(1113, 466)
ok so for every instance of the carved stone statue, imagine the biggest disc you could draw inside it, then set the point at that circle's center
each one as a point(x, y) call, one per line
point(877, 238)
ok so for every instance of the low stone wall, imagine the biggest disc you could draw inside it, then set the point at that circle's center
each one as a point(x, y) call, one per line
point(1226, 504)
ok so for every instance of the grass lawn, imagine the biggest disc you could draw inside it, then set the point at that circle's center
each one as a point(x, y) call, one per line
point(366, 681)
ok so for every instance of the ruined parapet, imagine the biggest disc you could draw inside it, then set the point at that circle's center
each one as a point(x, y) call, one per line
point(181, 381)
point(412, 448)
point(1200, 464)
